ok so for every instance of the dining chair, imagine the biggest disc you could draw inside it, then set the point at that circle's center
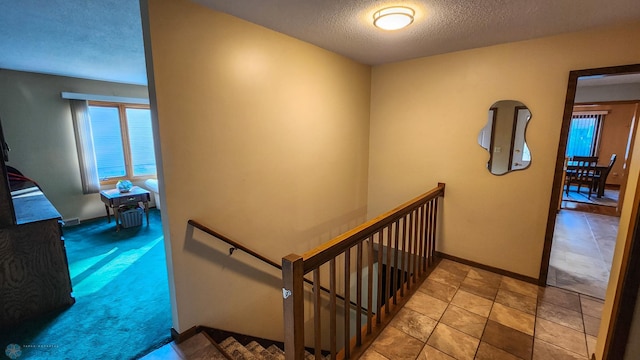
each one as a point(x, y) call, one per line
point(601, 177)
point(581, 170)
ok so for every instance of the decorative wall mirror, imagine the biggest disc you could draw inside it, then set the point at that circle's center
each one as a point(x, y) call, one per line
point(504, 137)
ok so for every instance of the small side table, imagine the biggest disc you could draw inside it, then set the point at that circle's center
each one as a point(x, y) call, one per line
point(114, 199)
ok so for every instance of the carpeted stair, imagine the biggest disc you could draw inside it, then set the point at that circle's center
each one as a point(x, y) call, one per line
point(207, 349)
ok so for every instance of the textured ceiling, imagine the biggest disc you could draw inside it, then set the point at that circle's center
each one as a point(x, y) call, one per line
point(102, 39)
point(440, 26)
point(92, 39)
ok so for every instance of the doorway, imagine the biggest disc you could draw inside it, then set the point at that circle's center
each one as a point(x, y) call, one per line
point(559, 177)
point(624, 296)
point(587, 221)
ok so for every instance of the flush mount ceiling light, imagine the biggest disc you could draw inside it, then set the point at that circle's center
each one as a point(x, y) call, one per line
point(393, 18)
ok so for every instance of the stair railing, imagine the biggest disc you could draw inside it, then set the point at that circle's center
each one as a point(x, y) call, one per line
point(234, 244)
point(239, 246)
point(401, 241)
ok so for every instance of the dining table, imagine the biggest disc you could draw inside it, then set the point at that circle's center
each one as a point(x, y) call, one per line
point(599, 170)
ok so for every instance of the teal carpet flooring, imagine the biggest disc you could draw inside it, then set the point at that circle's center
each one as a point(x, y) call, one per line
point(122, 308)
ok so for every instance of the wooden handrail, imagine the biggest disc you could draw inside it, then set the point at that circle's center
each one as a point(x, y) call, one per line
point(239, 246)
point(235, 244)
point(335, 247)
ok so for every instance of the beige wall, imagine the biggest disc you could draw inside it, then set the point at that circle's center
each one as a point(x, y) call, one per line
point(425, 117)
point(264, 138)
point(38, 127)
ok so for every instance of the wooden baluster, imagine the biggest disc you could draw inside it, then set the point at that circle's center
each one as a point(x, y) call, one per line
point(414, 245)
point(400, 274)
point(435, 224)
point(388, 288)
point(418, 254)
point(429, 233)
point(293, 293)
point(409, 248)
point(425, 240)
point(370, 286)
point(405, 262)
point(380, 289)
point(359, 294)
point(395, 262)
point(332, 308)
point(347, 303)
point(317, 314)
point(433, 229)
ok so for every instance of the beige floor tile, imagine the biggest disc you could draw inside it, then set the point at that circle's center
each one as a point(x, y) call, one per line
point(561, 336)
point(560, 297)
point(591, 344)
point(463, 320)
point(575, 237)
point(438, 290)
point(454, 267)
point(373, 355)
point(487, 277)
point(490, 352)
point(474, 327)
point(591, 306)
point(560, 315)
point(513, 318)
point(453, 342)
point(395, 344)
point(581, 284)
point(443, 276)
point(546, 351)
point(479, 288)
point(519, 286)
point(426, 305)
point(474, 303)
point(582, 250)
point(508, 339)
point(430, 353)
point(517, 301)
point(413, 323)
point(591, 325)
point(586, 265)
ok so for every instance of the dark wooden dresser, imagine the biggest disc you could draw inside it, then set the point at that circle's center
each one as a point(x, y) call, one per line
point(34, 273)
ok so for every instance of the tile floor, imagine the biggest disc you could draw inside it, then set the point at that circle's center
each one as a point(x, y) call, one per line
point(461, 312)
point(582, 252)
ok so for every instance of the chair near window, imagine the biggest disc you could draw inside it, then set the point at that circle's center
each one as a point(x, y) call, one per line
point(601, 177)
point(581, 170)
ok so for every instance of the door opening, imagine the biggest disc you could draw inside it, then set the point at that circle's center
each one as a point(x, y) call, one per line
point(618, 328)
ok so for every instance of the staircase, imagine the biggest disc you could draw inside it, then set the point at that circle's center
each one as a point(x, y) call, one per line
point(202, 347)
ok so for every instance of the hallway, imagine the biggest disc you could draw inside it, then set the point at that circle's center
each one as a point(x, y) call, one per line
point(582, 252)
point(465, 313)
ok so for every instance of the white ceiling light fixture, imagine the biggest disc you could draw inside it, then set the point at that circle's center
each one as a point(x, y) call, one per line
point(393, 18)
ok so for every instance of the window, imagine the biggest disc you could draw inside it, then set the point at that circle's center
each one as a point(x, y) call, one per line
point(584, 134)
point(122, 140)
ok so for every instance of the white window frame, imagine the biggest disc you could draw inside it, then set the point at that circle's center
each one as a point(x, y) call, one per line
point(124, 132)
